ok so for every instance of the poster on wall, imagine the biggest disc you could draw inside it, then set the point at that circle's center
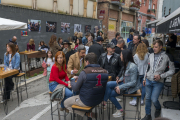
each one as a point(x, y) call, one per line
point(77, 28)
point(34, 25)
point(65, 27)
point(87, 28)
point(24, 33)
point(51, 26)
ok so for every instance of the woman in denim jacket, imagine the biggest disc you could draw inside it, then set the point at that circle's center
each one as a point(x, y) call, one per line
point(128, 83)
point(12, 61)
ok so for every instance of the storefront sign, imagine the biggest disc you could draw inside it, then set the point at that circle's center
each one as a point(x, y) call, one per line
point(111, 27)
point(170, 26)
point(101, 17)
point(102, 11)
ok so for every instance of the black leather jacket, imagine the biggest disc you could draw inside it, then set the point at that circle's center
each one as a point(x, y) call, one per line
point(116, 64)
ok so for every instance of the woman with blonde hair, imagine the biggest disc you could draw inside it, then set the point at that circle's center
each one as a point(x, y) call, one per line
point(141, 59)
point(54, 46)
point(31, 45)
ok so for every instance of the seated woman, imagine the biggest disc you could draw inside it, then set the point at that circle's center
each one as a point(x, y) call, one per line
point(31, 45)
point(128, 83)
point(12, 61)
point(58, 76)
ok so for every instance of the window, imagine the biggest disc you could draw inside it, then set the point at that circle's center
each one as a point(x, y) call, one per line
point(153, 6)
point(164, 10)
point(140, 2)
point(169, 11)
point(125, 27)
point(150, 2)
point(144, 2)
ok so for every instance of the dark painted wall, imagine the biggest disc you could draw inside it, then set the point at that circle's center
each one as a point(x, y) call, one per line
point(23, 15)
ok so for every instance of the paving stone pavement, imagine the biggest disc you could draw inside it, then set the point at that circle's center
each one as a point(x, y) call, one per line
point(37, 106)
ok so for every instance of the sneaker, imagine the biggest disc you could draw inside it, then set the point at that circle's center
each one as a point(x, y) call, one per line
point(119, 100)
point(142, 102)
point(133, 102)
point(147, 117)
point(157, 113)
point(117, 114)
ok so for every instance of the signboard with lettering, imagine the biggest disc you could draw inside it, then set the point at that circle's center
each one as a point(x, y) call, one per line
point(102, 11)
point(172, 25)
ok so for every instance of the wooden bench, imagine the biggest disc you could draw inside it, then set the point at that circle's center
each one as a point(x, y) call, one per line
point(84, 109)
point(138, 106)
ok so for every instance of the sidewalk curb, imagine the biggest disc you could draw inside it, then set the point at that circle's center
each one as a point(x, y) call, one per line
point(32, 80)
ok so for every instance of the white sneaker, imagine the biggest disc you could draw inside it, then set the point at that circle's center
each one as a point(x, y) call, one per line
point(119, 100)
point(142, 102)
point(133, 102)
point(117, 114)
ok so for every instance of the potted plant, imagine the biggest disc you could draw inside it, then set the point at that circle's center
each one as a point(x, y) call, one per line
point(135, 5)
point(122, 2)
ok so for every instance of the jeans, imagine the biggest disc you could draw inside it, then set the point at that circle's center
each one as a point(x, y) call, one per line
point(142, 87)
point(111, 93)
point(153, 90)
point(68, 92)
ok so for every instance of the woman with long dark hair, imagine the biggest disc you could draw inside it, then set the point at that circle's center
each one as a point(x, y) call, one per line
point(11, 61)
point(128, 83)
point(58, 77)
point(54, 47)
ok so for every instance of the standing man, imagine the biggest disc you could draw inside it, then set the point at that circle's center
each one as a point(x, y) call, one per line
point(13, 40)
point(154, 77)
point(116, 38)
point(91, 84)
point(97, 48)
point(133, 44)
point(120, 46)
point(76, 62)
point(111, 62)
point(85, 38)
point(131, 30)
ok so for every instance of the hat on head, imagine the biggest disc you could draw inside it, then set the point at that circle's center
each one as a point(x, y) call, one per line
point(99, 39)
point(66, 42)
point(110, 45)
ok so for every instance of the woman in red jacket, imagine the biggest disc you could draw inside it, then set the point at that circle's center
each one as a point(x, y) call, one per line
point(58, 77)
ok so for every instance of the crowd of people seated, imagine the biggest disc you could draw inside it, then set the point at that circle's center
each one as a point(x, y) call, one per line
point(80, 72)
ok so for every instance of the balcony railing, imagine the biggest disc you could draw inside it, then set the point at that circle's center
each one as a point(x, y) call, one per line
point(151, 10)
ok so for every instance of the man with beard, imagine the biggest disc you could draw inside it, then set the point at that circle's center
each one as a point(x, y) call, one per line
point(76, 62)
point(67, 50)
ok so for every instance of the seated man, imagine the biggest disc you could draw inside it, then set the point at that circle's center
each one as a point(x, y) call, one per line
point(91, 84)
point(76, 62)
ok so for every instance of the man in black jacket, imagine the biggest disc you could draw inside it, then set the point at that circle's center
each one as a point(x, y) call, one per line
point(97, 48)
point(116, 38)
point(120, 46)
point(111, 62)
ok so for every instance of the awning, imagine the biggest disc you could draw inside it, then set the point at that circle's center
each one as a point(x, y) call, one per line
point(170, 24)
point(152, 24)
point(7, 24)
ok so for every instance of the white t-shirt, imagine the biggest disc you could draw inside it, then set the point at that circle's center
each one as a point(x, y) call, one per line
point(10, 64)
point(109, 57)
point(49, 61)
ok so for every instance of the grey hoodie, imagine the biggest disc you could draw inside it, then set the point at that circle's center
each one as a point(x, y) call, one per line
point(162, 62)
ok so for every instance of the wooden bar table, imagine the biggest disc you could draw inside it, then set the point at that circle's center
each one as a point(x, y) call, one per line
point(4, 74)
point(32, 54)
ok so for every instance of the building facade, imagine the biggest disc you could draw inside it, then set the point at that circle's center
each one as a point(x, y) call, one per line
point(117, 16)
point(147, 13)
point(82, 8)
point(169, 6)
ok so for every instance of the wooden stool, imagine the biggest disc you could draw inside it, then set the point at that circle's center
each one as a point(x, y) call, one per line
point(57, 109)
point(84, 109)
point(138, 106)
point(18, 81)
